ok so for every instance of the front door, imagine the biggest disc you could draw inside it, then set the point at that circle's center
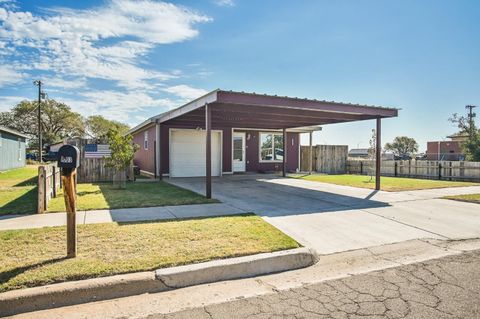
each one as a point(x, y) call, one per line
point(239, 152)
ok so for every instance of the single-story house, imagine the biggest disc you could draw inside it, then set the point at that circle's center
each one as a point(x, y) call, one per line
point(12, 149)
point(226, 132)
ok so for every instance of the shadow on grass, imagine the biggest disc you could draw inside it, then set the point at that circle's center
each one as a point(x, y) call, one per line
point(28, 182)
point(83, 193)
point(150, 195)
point(156, 221)
point(12, 273)
point(24, 204)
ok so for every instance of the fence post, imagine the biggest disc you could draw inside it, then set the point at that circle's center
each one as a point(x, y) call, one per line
point(361, 168)
point(439, 170)
point(54, 175)
point(41, 190)
point(396, 169)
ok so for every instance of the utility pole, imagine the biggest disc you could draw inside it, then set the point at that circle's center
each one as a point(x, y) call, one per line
point(39, 84)
point(471, 115)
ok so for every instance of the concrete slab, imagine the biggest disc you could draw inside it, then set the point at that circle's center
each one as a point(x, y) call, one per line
point(345, 230)
point(451, 219)
point(331, 218)
point(202, 210)
point(118, 215)
point(37, 221)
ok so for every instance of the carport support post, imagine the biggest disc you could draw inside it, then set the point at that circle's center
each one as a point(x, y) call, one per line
point(284, 173)
point(208, 127)
point(378, 153)
point(310, 154)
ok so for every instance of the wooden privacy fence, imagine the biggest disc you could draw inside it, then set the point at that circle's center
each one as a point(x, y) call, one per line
point(328, 159)
point(446, 170)
point(49, 182)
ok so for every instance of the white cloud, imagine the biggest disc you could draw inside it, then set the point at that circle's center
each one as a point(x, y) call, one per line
point(73, 42)
point(64, 83)
point(224, 3)
point(8, 102)
point(185, 92)
point(8, 75)
point(118, 105)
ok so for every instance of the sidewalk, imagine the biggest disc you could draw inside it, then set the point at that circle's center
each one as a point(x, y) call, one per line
point(118, 215)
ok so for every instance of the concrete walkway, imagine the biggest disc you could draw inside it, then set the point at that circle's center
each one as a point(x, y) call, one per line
point(118, 215)
point(331, 218)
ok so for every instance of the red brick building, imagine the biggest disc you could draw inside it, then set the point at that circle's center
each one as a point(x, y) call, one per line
point(446, 150)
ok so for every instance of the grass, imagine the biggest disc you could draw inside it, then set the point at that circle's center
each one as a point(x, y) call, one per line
point(35, 257)
point(392, 184)
point(104, 196)
point(18, 191)
point(25, 176)
point(471, 198)
point(18, 194)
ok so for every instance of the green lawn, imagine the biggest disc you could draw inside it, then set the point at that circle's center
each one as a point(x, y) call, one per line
point(36, 257)
point(18, 194)
point(387, 183)
point(141, 194)
point(18, 191)
point(472, 198)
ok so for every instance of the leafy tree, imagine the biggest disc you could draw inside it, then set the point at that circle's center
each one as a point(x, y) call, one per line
point(97, 127)
point(402, 146)
point(58, 121)
point(471, 147)
point(122, 152)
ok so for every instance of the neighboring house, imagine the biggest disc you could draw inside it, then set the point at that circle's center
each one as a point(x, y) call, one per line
point(12, 149)
point(249, 133)
point(359, 153)
point(447, 150)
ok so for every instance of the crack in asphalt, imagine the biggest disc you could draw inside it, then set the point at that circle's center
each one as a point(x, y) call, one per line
point(448, 287)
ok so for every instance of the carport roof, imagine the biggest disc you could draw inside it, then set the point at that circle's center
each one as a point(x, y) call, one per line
point(262, 111)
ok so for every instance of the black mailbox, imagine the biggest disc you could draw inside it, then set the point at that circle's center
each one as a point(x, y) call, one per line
point(68, 157)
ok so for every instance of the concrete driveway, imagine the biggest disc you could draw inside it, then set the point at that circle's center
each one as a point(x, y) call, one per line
point(330, 218)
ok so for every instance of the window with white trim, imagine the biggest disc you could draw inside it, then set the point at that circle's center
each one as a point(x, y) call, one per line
point(271, 147)
point(145, 140)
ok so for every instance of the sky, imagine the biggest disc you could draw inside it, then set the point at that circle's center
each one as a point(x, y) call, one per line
point(129, 60)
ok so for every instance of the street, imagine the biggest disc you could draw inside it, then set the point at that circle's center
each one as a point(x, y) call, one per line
point(443, 288)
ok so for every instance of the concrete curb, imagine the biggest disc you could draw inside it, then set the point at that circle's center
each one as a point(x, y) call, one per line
point(236, 268)
point(83, 291)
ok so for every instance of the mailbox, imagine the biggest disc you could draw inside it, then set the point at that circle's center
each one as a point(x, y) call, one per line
point(68, 157)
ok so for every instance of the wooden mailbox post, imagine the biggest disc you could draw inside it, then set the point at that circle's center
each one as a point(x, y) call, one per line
point(68, 161)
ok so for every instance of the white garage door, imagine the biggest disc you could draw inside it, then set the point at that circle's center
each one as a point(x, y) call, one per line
point(187, 153)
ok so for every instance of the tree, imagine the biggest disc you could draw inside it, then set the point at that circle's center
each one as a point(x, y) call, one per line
point(402, 146)
point(97, 127)
point(471, 147)
point(122, 152)
point(58, 121)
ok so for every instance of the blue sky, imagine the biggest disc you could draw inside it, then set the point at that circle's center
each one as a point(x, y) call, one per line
point(129, 60)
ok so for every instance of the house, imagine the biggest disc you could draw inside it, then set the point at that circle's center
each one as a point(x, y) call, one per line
point(226, 132)
point(359, 153)
point(447, 150)
point(12, 149)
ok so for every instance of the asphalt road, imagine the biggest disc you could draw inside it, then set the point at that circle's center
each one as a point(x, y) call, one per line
point(443, 288)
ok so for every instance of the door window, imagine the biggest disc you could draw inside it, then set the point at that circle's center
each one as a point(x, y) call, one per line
point(238, 148)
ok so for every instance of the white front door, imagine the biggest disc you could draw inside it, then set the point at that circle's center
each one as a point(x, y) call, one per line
point(239, 152)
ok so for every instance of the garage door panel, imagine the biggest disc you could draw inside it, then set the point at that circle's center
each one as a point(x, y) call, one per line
point(188, 151)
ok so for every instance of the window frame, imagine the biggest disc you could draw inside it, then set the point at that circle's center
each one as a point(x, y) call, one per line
point(260, 160)
point(145, 140)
